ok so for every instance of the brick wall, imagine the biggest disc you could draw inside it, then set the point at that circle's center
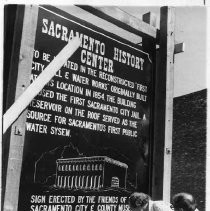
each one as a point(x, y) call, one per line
point(189, 146)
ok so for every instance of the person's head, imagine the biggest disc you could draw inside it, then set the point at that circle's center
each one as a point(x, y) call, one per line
point(138, 201)
point(184, 202)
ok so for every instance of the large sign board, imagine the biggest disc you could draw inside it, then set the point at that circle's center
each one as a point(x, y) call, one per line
point(87, 136)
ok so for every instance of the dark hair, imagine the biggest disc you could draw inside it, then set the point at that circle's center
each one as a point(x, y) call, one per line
point(185, 201)
point(138, 199)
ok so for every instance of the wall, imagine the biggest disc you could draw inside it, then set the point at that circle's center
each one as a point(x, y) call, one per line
point(189, 146)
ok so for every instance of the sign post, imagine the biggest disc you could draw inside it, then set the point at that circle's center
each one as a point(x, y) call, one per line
point(18, 128)
point(164, 106)
point(85, 142)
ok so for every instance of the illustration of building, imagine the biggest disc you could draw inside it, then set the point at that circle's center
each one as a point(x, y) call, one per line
point(90, 173)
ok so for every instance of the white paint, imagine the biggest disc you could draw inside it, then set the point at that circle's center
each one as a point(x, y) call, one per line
point(24, 100)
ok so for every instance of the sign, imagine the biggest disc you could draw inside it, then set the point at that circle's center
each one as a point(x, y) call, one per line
point(88, 131)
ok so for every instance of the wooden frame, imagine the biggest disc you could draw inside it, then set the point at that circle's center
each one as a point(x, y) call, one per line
point(18, 128)
point(163, 99)
point(119, 17)
point(164, 107)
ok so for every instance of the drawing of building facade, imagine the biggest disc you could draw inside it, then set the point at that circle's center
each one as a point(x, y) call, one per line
point(90, 173)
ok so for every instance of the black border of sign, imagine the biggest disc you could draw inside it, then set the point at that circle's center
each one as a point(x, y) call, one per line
point(16, 54)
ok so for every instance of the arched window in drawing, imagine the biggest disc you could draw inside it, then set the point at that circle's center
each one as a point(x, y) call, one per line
point(82, 184)
point(76, 181)
point(58, 181)
point(84, 167)
point(99, 182)
point(69, 181)
point(100, 167)
point(72, 182)
point(96, 167)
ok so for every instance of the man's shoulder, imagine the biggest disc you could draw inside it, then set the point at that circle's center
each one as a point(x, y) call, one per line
point(161, 206)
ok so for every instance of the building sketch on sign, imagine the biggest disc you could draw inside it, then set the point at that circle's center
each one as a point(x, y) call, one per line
point(90, 173)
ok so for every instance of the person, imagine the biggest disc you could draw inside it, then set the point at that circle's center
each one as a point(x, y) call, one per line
point(142, 202)
point(184, 202)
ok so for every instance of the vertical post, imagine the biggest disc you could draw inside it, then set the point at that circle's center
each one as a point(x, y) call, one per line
point(149, 45)
point(18, 128)
point(164, 107)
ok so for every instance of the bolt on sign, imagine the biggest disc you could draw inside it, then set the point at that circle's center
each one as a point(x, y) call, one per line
point(87, 138)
